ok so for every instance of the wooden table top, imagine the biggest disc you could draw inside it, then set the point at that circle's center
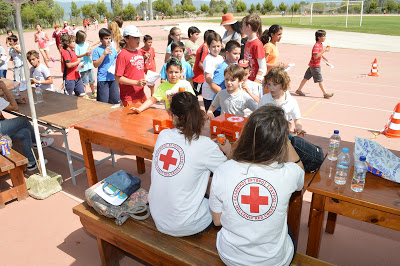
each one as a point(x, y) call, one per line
point(378, 192)
point(62, 110)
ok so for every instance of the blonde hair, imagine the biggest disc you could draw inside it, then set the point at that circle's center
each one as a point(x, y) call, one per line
point(115, 33)
point(255, 23)
point(279, 76)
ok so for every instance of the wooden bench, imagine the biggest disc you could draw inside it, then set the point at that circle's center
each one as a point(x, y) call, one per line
point(142, 240)
point(13, 164)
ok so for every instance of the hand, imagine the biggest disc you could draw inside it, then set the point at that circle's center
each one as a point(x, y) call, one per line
point(141, 82)
point(299, 132)
point(34, 81)
point(210, 115)
point(258, 81)
point(244, 87)
point(226, 148)
point(327, 63)
point(327, 49)
point(145, 56)
point(135, 110)
point(79, 60)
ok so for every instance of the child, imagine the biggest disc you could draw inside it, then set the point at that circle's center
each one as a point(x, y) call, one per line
point(277, 80)
point(40, 74)
point(74, 29)
point(129, 70)
point(198, 72)
point(176, 196)
point(264, 168)
point(210, 64)
point(82, 51)
point(14, 51)
point(3, 63)
point(71, 77)
point(149, 56)
point(57, 36)
point(233, 100)
point(191, 45)
point(84, 24)
point(178, 48)
point(169, 88)
point(254, 50)
point(314, 69)
point(104, 57)
point(254, 89)
point(269, 38)
point(173, 36)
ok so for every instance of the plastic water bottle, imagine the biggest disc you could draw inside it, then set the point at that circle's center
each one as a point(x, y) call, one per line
point(15, 91)
point(39, 94)
point(342, 167)
point(334, 144)
point(360, 170)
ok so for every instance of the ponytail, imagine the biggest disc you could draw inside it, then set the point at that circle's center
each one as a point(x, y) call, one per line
point(171, 32)
point(265, 37)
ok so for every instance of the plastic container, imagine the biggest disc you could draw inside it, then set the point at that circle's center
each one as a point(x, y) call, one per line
point(15, 91)
point(334, 144)
point(360, 170)
point(342, 167)
point(39, 94)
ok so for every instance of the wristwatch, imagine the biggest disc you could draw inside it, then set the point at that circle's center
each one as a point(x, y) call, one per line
point(39, 82)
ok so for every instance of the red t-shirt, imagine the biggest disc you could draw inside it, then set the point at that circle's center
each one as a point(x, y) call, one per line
point(69, 56)
point(201, 54)
point(254, 50)
point(130, 64)
point(316, 50)
point(57, 37)
point(149, 63)
point(84, 23)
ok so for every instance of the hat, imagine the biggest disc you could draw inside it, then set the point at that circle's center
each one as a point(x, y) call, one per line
point(64, 31)
point(65, 21)
point(132, 30)
point(73, 24)
point(243, 63)
point(56, 26)
point(228, 19)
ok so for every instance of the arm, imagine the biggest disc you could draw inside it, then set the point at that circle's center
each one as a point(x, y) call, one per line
point(16, 49)
point(262, 70)
point(293, 156)
point(47, 37)
point(298, 127)
point(215, 87)
point(126, 81)
point(13, 106)
point(216, 218)
point(255, 98)
point(48, 81)
point(323, 57)
point(149, 102)
point(326, 49)
point(74, 64)
point(209, 78)
point(98, 62)
point(210, 112)
point(83, 55)
point(36, 39)
point(167, 57)
point(201, 65)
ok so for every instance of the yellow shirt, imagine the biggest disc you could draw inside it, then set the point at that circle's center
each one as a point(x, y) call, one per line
point(273, 54)
point(166, 90)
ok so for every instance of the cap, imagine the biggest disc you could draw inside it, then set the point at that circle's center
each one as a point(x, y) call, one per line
point(345, 150)
point(132, 30)
point(73, 24)
point(65, 21)
point(336, 132)
point(363, 159)
point(56, 26)
point(228, 19)
point(243, 63)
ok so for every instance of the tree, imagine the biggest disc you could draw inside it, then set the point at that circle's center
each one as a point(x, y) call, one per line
point(161, 6)
point(204, 8)
point(373, 5)
point(75, 11)
point(218, 9)
point(252, 9)
point(5, 13)
point(28, 15)
point(188, 7)
point(129, 12)
point(88, 10)
point(41, 9)
point(101, 8)
point(391, 6)
point(258, 6)
point(58, 12)
point(268, 6)
point(225, 9)
point(282, 6)
point(233, 3)
point(178, 9)
point(241, 6)
point(116, 6)
point(295, 7)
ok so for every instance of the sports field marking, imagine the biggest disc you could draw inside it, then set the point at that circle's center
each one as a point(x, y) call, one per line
point(374, 95)
point(339, 124)
point(311, 109)
point(342, 104)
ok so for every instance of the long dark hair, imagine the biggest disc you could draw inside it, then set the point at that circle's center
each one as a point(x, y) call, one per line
point(264, 137)
point(266, 36)
point(172, 32)
point(191, 118)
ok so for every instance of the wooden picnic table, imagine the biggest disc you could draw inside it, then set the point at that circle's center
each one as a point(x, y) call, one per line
point(378, 204)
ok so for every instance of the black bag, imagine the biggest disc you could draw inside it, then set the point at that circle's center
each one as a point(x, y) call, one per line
point(311, 155)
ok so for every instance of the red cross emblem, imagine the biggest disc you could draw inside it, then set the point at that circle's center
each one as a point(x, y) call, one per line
point(235, 119)
point(254, 199)
point(168, 159)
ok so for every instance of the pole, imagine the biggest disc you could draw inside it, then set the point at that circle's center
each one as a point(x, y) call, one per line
point(311, 13)
point(347, 12)
point(17, 7)
point(291, 20)
point(362, 11)
point(150, 9)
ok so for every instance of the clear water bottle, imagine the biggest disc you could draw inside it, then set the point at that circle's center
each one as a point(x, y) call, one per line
point(15, 91)
point(342, 167)
point(334, 144)
point(39, 94)
point(360, 170)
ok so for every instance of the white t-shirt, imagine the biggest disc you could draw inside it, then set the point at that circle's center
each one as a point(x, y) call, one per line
point(41, 73)
point(290, 105)
point(253, 200)
point(210, 64)
point(234, 104)
point(3, 103)
point(3, 55)
point(255, 88)
point(235, 36)
point(16, 57)
point(179, 177)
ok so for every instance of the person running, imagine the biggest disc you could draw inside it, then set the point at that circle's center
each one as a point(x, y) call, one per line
point(42, 39)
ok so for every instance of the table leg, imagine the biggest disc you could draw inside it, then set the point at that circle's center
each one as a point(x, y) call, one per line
point(315, 230)
point(140, 165)
point(109, 254)
point(331, 222)
point(88, 157)
point(18, 181)
point(69, 158)
point(294, 214)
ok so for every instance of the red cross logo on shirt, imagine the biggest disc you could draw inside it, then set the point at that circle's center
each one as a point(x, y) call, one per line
point(168, 159)
point(254, 199)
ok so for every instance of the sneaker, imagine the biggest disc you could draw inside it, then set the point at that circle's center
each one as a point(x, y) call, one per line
point(52, 59)
point(47, 132)
point(86, 97)
point(328, 95)
point(33, 166)
point(94, 95)
point(45, 142)
point(300, 93)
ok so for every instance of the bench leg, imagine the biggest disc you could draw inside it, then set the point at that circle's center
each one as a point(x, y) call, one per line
point(110, 255)
point(294, 213)
point(331, 223)
point(315, 230)
point(140, 165)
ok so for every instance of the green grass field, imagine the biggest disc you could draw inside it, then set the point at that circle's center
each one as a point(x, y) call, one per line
point(387, 25)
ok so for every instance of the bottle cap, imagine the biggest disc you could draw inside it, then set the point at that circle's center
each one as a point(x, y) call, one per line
point(345, 150)
point(362, 158)
point(336, 132)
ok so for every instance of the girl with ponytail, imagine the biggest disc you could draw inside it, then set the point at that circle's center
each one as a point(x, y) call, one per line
point(269, 38)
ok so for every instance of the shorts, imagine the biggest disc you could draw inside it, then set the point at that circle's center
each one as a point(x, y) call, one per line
point(134, 103)
point(315, 73)
point(87, 77)
point(44, 49)
point(19, 73)
point(76, 86)
point(3, 73)
point(197, 88)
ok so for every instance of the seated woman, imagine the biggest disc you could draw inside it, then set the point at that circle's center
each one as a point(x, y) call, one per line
point(182, 163)
point(250, 193)
point(19, 128)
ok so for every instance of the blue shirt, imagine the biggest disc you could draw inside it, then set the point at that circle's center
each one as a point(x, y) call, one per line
point(102, 71)
point(187, 71)
point(219, 78)
point(81, 48)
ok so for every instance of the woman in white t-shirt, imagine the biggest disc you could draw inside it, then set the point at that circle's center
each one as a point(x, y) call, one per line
point(232, 28)
point(250, 193)
point(181, 167)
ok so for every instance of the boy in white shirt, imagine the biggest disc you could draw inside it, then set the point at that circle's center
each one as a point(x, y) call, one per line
point(233, 100)
point(15, 53)
point(40, 74)
point(3, 63)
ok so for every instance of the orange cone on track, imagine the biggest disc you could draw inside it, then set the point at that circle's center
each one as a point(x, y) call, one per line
point(392, 128)
point(374, 69)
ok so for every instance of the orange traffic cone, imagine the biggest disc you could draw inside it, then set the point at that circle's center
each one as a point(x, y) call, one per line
point(374, 69)
point(392, 128)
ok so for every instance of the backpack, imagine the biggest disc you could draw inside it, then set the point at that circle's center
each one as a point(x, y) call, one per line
point(312, 156)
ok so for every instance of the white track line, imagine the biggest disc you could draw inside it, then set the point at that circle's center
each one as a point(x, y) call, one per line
point(333, 123)
point(72, 196)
